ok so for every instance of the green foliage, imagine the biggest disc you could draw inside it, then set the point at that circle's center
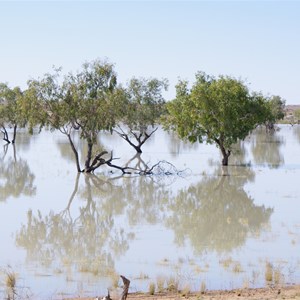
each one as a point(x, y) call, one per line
point(144, 102)
point(215, 110)
point(275, 107)
point(8, 101)
point(83, 101)
point(86, 102)
point(142, 106)
point(10, 113)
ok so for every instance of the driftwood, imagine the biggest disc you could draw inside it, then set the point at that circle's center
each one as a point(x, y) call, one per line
point(124, 294)
point(126, 283)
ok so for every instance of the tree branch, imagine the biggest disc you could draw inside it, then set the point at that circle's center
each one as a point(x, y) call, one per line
point(126, 283)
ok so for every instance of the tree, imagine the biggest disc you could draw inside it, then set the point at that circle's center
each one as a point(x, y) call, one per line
point(9, 112)
point(215, 110)
point(276, 106)
point(85, 102)
point(142, 107)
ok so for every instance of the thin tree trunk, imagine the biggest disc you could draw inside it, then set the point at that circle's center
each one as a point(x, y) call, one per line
point(75, 153)
point(14, 134)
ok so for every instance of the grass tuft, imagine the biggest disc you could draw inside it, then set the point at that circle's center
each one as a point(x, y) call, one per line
point(152, 288)
point(269, 272)
point(160, 283)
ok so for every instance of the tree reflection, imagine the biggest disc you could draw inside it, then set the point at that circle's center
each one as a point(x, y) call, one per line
point(146, 200)
point(266, 148)
point(177, 145)
point(217, 214)
point(16, 179)
point(90, 241)
point(296, 130)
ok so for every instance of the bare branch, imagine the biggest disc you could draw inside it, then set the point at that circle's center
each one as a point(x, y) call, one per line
point(126, 283)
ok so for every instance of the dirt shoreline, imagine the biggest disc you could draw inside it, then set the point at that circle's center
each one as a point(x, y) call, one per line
point(269, 293)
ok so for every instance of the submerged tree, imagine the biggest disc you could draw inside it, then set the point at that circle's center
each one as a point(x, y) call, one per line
point(143, 106)
point(276, 106)
point(9, 111)
point(215, 110)
point(85, 102)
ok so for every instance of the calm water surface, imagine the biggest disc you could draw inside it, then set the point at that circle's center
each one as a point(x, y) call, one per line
point(66, 234)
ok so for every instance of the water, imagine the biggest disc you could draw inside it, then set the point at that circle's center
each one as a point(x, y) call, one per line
point(65, 234)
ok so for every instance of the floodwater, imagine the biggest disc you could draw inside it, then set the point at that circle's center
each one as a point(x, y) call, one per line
point(201, 227)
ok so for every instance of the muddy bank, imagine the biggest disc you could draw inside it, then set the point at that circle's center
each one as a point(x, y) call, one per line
point(287, 292)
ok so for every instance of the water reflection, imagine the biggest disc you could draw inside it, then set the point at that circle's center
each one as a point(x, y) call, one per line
point(16, 179)
point(266, 148)
point(146, 200)
point(137, 162)
point(109, 223)
point(177, 146)
point(217, 214)
point(296, 130)
point(90, 241)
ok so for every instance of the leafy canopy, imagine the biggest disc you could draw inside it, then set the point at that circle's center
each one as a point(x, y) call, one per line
point(83, 101)
point(86, 102)
point(144, 102)
point(216, 110)
point(9, 110)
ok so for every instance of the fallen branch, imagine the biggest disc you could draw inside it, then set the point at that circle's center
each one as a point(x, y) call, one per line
point(126, 283)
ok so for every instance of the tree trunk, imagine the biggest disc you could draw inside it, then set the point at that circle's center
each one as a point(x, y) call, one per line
point(225, 160)
point(88, 158)
point(14, 134)
point(75, 153)
point(225, 153)
point(138, 149)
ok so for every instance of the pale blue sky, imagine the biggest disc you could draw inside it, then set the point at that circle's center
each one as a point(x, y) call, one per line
point(258, 41)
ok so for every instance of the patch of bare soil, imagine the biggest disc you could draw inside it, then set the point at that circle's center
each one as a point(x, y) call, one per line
point(287, 293)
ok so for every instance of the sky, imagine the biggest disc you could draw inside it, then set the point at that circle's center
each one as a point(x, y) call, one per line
point(256, 41)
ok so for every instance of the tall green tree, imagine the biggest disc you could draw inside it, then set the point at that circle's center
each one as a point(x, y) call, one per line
point(215, 110)
point(142, 106)
point(85, 102)
point(10, 115)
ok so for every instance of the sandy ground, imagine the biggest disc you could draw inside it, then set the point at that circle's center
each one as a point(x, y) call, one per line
point(288, 293)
